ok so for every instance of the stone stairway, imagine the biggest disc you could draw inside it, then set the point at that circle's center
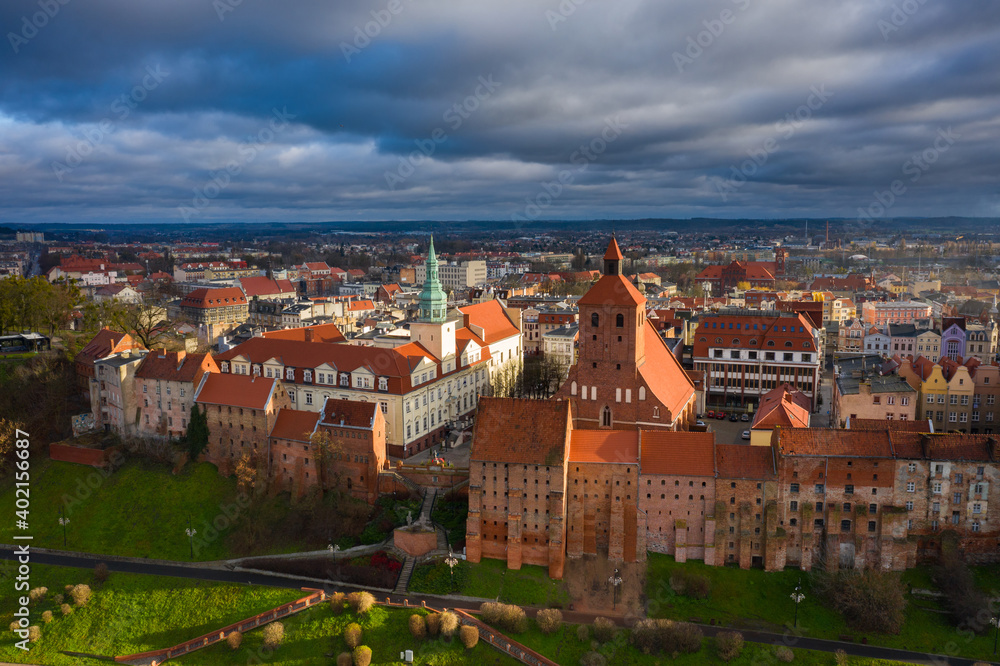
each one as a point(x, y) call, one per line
point(428, 505)
point(404, 575)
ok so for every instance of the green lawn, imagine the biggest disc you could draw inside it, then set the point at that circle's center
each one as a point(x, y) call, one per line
point(565, 647)
point(141, 510)
point(755, 599)
point(133, 613)
point(490, 579)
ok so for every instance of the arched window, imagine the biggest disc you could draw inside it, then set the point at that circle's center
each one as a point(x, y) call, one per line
point(736, 341)
point(770, 343)
point(788, 343)
point(595, 320)
point(619, 321)
point(702, 339)
point(642, 393)
point(606, 417)
point(572, 388)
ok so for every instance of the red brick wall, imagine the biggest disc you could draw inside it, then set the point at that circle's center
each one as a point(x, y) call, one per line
point(75, 454)
point(667, 499)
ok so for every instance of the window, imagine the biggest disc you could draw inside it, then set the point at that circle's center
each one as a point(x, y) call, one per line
point(977, 508)
point(936, 487)
point(620, 321)
point(909, 506)
point(307, 375)
point(792, 488)
point(793, 506)
point(595, 319)
point(290, 373)
point(910, 487)
point(912, 467)
point(871, 525)
point(848, 490)
point(819, 488)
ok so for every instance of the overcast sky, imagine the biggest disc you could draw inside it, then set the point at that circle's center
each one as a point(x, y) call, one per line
point(148, 110)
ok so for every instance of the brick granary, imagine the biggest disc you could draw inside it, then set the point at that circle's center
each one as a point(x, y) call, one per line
point(596, 471)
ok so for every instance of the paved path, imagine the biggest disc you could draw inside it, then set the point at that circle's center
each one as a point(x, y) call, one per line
point(198, 572)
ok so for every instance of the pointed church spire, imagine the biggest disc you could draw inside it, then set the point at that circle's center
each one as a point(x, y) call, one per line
point(433, 301)
point(613, 258)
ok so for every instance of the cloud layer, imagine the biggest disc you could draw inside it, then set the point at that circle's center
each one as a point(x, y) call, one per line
point(122, 110)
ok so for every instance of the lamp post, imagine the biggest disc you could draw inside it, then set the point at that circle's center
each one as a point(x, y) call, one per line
point(451, 561)
point(797, 597)
point(995, 621)
point(64, 522)
point(190, 533)
point(616, 582)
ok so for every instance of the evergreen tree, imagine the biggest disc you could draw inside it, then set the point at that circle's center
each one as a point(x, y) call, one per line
point(197, 432)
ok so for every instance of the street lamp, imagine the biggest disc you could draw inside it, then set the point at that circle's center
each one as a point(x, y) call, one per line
point(797, 597)
point(451, 561)
point(616, 581)
point(190, 533)
point(995, 621)
point(64, 522)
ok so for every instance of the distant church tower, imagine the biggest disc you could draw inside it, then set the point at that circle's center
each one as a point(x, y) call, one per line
point(433, 329)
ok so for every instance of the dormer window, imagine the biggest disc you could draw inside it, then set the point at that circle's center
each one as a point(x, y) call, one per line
point(383, 384)
point(345, 379)
point(225, 366)
point(307, 375)
point(290, 374)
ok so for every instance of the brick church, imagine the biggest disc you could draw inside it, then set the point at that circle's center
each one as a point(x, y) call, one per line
point(609, 466)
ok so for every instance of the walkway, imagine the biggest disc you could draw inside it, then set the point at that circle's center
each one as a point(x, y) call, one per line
point(215, 573)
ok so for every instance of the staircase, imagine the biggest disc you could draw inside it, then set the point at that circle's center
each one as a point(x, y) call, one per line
point(428, 505)
point(404, 575)
point(408, 484)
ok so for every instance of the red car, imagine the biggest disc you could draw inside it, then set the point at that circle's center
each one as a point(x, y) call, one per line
point(711, 414)
point(720, 415)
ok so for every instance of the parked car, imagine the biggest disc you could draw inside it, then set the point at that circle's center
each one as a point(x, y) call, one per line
point(701, 423)
point(720, 415)
point(734, 417)
point(746, 434)
point(711, 414)
point(744, 417)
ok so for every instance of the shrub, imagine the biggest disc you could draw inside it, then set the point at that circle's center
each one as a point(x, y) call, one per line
point(433, 623)
point(345, 659)
point(47, 617)
point(604, 629)
point(337, 600)
point(68, 588)
point(34, 633)
point(362, 655)
point(583, 633)
point(869, 600)
point(14, 626)
point(66, 609)
point(784, 654)
point(549, 620)
point(729, 645)
point(234, 640)
point(58, 599)
point(507, 617)
point(101, 573)
point(652, 636)
point(593, 659)
point(274, 633)
point(449, 624)
point(352, 635)
point(698, 586)
point(840, 657)
point(37, 594)
point(418, 627)
point(469, 636)
point(80, 594)
point(360, 602)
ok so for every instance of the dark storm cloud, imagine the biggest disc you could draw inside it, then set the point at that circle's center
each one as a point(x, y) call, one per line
point(447, 109)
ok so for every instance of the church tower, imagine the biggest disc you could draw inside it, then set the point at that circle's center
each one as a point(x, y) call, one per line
point(432, 329)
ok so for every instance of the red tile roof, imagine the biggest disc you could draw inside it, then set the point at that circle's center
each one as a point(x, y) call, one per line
point(264, 286)
point(105, 343)
point(738, 461)
point(237, 390)
point(320, 333)
point(492, 319)
point(780, 330)
point(295, 424)
point(783, 406)
point(357, 306)
point(893, 425)
point(214, 298)
point(604, 446)
point(826, 442)
point(613, 290)
point(678, 453)
point(613, 253)
point(522, 431)
point(175, 366)
point(663, 374)
point(349, 413)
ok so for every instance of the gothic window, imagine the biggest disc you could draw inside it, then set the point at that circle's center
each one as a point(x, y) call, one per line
point(595, 320)
point(606, 417)
point(620, 321)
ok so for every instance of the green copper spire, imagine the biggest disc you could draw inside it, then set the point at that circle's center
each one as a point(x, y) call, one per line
point(433, 301)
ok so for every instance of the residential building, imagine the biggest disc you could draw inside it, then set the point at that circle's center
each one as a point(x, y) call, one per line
point(102, 345)
point(782, 407)
point(112, 393)
point(862, 391)
point(559, 345)
point(216, 306)
point(851, 337)
point(879, 313)
point(457, 276)
point(166, 382)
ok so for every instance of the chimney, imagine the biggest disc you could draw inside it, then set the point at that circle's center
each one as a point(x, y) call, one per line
point(309, 334)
